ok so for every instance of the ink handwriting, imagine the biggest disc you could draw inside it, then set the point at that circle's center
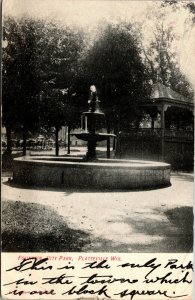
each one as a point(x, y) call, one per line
point(32, 264)
point(22, 281)
point(133, 293)
point(166, 279)
point(62, 279)
point(149, 264)
point(97, 265)
point(100, 278)
point(84, 290)
point(172, 264)
point(96, 279)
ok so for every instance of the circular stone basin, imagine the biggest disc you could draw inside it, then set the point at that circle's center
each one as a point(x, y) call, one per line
point(73, 172)
point(98, 137)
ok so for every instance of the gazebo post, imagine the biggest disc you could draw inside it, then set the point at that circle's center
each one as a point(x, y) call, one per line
point(162, 115)
point(152, 122)
point(163, 109)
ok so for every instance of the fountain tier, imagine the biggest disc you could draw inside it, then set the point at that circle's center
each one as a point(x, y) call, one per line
point(90, 135)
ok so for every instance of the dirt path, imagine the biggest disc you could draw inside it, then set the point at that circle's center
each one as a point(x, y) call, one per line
point(135, 221)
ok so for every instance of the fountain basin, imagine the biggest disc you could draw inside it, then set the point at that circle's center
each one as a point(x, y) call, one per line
point(73, 172)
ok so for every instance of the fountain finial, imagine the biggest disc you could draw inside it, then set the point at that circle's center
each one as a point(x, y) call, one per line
point(93, 89)
point(94, 101)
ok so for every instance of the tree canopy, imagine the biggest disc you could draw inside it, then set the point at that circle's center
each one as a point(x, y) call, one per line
point(161, 52)
point(21, 80)
point(39, 61)
point(115, 66)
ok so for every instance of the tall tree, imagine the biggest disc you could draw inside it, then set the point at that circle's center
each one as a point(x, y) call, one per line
point(160, 56)
point(21, 84)
point(9, 75)
point(162, 61)
point(59, 72)
point(114, 65)
point(40, 59)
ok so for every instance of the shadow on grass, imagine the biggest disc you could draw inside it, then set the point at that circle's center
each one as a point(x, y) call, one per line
point(170, 232)
point(175, 230)
point(183, 219)
point(30, 227)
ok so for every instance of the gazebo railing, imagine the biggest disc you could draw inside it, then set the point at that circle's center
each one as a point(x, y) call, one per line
point(142, 132)
point(156, 133)
point(182, 134)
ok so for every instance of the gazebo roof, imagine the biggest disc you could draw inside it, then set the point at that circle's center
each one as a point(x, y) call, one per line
point(161, 92)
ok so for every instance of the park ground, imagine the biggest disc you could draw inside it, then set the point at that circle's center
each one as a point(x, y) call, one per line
point(46, 219)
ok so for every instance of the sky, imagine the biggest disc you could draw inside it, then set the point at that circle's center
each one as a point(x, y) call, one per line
point(89, 13)
point(82, 12)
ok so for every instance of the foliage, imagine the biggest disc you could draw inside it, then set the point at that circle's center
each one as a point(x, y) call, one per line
point(162, 60)
point(179, 118)
point(115, 66)
point(20, 73)
point(176, 4)
point(47, 71)
point(59, 68)
point(39, 60)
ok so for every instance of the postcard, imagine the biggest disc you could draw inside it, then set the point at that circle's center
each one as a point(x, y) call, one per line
point(97, 149)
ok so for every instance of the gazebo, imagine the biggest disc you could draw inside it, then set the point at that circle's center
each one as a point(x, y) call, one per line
point(163, 139)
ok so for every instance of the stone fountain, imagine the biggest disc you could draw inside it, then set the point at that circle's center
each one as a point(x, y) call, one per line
point(91, 135)
point(90, 172)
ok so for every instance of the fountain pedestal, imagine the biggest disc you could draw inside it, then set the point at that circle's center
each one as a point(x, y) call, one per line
point(91, 150)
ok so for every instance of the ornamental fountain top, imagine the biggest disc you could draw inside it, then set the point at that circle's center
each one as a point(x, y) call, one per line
point(93, 102)
point(91, 135)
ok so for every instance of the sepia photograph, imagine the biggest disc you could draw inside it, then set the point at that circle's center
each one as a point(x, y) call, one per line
point(97, 132)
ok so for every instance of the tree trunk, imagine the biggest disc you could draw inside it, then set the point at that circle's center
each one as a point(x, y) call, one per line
point(68, 151)
point(56, 140)
point(24, 141)
point(108, 140)
point(9, 142)
point(65, 137)
point(115, 133)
